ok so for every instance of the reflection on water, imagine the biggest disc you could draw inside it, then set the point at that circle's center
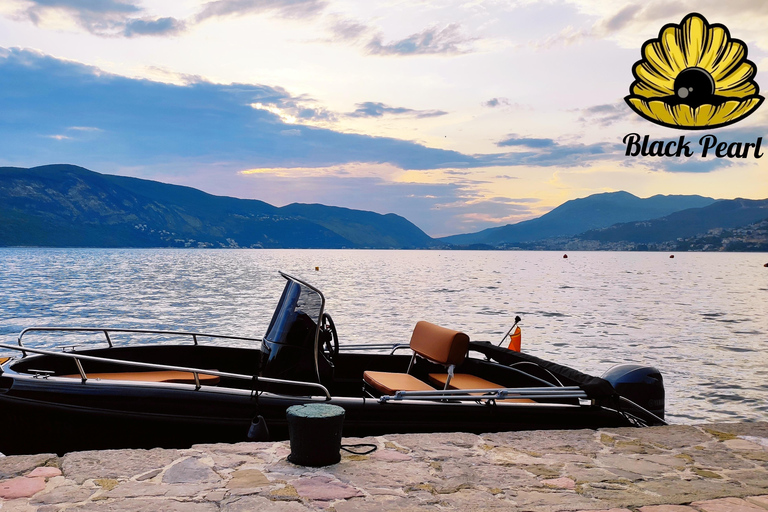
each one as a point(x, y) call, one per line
point(700, 317)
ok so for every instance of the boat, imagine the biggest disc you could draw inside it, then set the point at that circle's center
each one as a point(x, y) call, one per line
point(99, 391)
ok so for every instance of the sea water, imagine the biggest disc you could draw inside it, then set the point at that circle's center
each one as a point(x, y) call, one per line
point(700, 318)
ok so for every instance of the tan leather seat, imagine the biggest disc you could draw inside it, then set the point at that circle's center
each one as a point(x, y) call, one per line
point(433, 343)
point(391, 383)
point(155, 376)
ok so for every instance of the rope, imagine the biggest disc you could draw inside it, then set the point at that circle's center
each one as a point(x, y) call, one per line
point(371, 448)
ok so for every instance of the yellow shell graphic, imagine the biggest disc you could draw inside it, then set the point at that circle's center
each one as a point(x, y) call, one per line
point(694, 76)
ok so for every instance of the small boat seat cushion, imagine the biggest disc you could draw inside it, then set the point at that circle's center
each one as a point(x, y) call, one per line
point(390, 383)
point(439, 344)
point(155, 376)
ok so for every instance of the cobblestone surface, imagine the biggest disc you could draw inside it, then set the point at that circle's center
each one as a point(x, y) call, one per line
point(708, 468)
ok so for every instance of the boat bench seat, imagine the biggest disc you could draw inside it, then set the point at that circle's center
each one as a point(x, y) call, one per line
point(390, 383)
point(468, 381)
point(154, 376)
point(431, 342)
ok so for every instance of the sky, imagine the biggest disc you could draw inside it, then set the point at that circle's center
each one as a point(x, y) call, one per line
point(458, 115)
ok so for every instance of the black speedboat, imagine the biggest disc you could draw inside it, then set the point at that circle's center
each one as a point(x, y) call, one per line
point(166, 394)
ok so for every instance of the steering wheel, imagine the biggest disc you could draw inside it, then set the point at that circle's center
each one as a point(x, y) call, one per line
point(329, 347)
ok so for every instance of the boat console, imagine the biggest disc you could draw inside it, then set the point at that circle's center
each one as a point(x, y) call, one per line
point(301, 340)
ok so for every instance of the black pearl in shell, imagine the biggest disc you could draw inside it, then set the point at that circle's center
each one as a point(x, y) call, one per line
point(694, 87)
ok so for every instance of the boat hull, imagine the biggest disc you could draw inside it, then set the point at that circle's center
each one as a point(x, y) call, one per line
point(50, 416)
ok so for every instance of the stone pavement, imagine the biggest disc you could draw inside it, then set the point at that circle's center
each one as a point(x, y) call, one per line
point(682, 468)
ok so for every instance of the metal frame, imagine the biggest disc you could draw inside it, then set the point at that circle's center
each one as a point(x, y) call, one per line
point(195, 371)
point(487, 394)
point(319, 317)
point(392, 347)
point(107, 330)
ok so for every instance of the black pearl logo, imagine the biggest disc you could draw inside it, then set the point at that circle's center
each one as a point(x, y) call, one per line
point(694, 76)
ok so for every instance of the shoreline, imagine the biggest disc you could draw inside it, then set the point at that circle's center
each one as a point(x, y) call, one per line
point(677, 468)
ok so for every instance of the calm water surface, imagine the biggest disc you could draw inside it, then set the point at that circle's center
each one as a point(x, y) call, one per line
point(701, 318)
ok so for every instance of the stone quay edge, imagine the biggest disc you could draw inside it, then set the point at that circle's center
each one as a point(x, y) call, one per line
point(719, 467)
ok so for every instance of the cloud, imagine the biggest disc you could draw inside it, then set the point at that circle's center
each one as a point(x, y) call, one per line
point(347, 29)
point(633, 22)
point(449, 41)
point(606, 114)
point(621, 19)
point(150, 27)
point(84, 128)
point(295, 110)
point(373, 109)
point(697, 165)
point(495, 102)
point(281, 8)
point(85, 7)
point(543, 152)
point(145, 123)
point(506, 104)
point(526, 142)
point(111, 18)
point(102, 17)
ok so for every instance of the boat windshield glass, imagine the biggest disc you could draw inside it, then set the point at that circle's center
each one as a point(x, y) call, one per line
point(297, 315)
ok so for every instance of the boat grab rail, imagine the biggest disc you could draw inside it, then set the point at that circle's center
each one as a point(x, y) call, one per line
point(154, 366)
point(107, 330)
point(487, 394)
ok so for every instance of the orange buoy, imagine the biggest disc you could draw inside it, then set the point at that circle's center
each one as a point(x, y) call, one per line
point(515, 340)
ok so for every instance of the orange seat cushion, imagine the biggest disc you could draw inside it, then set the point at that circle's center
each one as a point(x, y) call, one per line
point(390, 383)
point(438, 344)
point(158, 376)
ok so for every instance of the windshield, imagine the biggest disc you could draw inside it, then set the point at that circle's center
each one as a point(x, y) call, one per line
point(297, 314)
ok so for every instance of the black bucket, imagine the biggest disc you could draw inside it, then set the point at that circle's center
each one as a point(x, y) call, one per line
point(315, 432)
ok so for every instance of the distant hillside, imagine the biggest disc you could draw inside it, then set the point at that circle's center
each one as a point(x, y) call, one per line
point(725, 214)
point(580, 215)
point(69, 206)
point(364, 229)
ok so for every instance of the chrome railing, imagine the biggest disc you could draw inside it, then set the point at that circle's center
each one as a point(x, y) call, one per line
point(153, 366)
point(487, 394)
point(107, 330)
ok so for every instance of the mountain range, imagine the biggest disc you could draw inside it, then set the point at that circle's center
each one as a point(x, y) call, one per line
point(69, 206)
point(580, 215)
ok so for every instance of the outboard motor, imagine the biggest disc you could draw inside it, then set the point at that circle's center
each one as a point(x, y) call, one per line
point(643, 385)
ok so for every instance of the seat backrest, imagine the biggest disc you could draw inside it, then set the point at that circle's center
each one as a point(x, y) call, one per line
point(438, 344)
